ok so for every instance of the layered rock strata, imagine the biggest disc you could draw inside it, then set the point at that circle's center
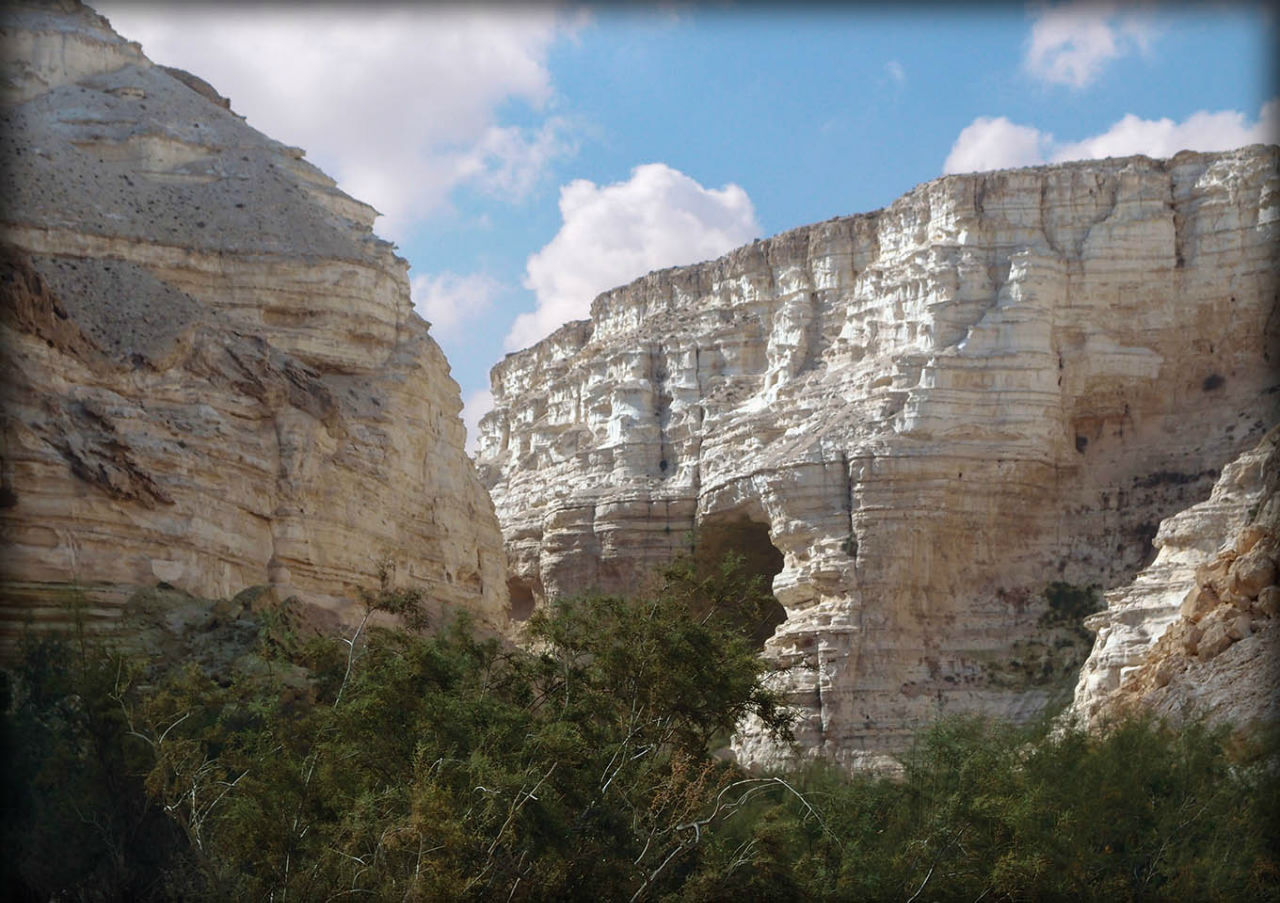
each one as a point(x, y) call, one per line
point(1197, 634)
point(213, 375)
point(948, 415)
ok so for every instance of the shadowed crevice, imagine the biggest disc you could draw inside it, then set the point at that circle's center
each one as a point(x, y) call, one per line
point(522, 599)
point(719, 536)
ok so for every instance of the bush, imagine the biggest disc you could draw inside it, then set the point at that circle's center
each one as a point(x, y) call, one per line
point(1069, 605)
point(402, 765)
point(394, 762)
point(986, 811)
point(76, 813)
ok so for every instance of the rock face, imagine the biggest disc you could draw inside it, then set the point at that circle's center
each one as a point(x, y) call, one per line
point(1198, 632)
point(953, 417)
point(213, 376)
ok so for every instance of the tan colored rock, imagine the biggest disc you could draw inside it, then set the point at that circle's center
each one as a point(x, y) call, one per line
point(1252, 573)
point(935, 411)
point(1248, 538)
point(1200, 600)
point(1216, 574)
point(1268, 604)
point(1225, 665)
point(1221, 632)
point(1235, 599)
point(1239, 627)
point(214, 377)
point(1217, 637)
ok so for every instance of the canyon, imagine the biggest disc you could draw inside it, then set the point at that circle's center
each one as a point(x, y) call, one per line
point(956, 422)
point(959, 435)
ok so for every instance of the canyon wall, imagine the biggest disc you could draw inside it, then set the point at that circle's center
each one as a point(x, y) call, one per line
point(213, 374)
point(958, 419)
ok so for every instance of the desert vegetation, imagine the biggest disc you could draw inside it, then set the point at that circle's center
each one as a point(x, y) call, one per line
point(433, 762)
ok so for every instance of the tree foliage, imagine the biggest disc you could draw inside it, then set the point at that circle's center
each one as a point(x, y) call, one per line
point(1138, 811)
point(76, 815)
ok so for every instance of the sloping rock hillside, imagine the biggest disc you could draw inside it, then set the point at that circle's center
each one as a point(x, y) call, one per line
point(957, 419)
point(1198, 632)
point(213, 375)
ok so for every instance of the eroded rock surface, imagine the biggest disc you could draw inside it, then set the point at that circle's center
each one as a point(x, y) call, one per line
point(943, 412)
point(213, 375)
point(1197, 634)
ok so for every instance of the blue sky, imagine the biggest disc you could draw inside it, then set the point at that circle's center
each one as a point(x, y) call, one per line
point(526, 159)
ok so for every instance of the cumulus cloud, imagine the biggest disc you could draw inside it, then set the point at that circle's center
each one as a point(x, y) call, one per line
point(477, 404)
point(448, 301)
point(1071, 43)
point(997, 143)
point(1202, 131)
point(612, 234)
point(399, 104)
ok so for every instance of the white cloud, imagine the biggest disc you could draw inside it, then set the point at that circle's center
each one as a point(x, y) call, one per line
point(448, 301)
point(1202, 131)
point(615, 233)
point(1071, 43)
point(399, 104)
point(895, 72)
point(478, 403)
point(997, 143)
point(508, 160)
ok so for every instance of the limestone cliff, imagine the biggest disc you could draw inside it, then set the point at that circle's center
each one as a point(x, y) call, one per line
point(1197, 632)
point(213, 375)
point(954, 417)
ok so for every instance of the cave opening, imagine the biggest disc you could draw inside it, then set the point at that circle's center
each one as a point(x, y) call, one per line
point(749, 539)
point(522, 599)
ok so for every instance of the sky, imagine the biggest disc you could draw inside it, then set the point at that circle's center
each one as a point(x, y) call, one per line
point(526, 158)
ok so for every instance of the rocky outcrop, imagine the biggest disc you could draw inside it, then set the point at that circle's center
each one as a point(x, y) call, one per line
point(956, 418)
point(1198, 632)
point(213, 375)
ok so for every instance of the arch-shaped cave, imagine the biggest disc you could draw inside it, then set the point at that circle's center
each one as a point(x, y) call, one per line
point(717, 536)
point(522, 599)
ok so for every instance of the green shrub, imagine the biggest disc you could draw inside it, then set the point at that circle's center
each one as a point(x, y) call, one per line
point(77, 818)
point(1069, 605)
point(398, 764)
